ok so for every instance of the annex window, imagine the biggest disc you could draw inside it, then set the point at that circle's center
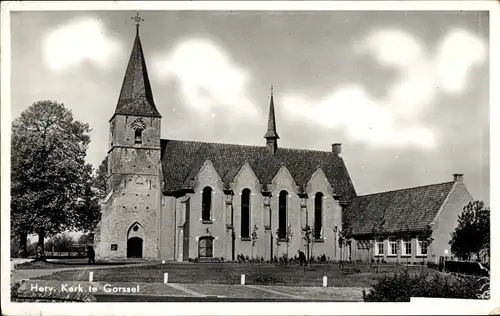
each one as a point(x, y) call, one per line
point(114, 247)
point(318, 215)
point(393, 246)
point(245, 213)
point(406, 247)
point(379, 247)
point(206, 204)
point(282, 214)
point(422, 247)
point(363, 244)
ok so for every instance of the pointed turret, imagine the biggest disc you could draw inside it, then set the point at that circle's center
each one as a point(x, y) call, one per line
point(271, 134)
point(136, 96)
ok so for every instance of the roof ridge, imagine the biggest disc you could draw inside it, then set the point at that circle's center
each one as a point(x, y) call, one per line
point(405, 189)
point(243, 145)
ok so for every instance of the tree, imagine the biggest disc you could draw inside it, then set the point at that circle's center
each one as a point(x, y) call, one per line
point(472, 234)
point(344, 237)
point(51, 184)
point(378, 232)
point(406, 234)
point(254, 237)
point(278, 243)
point(307, 232)
point(60, 243)
point(86, 239)
point(288, 238)
point(426, 239)
point(100, 180)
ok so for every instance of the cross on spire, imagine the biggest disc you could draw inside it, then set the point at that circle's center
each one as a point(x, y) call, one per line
point(138, 19)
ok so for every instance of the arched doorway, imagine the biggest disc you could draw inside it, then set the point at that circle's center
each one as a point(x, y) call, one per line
point(134, 247)
point(135, 241)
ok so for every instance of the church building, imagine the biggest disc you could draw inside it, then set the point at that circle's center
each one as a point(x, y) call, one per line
point(181, 200)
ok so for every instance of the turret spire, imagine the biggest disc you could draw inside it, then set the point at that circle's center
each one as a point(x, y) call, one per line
point(136, 96)
point(271, 135)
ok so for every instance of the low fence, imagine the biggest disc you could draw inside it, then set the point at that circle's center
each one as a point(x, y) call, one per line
point(68, 253)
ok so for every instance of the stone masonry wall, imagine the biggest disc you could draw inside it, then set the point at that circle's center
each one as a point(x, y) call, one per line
point(133, 177)
point(246, 179)
point(207, 176)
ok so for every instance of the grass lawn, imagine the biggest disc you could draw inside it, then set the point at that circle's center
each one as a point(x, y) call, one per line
point(229, 273)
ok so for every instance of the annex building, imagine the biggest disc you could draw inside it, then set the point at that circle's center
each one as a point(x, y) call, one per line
point(180, 200)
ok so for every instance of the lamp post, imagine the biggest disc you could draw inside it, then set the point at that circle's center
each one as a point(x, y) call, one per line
point(233, 237)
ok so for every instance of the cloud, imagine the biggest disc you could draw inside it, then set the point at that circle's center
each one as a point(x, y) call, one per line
point(208, 78)
point(396, 119)
point(79, 41)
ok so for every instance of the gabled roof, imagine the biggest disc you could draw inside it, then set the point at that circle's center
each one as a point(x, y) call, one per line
point(181, 161)
point(136, 96)
point(415, 207)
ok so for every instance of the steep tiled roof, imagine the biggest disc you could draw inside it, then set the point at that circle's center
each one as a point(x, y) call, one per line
point(415, 207)
point(136, 97)
point(181, 161)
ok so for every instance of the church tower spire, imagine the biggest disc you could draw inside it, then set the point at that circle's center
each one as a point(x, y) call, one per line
point(129, 226)
point(271, 135)
point(136, 96)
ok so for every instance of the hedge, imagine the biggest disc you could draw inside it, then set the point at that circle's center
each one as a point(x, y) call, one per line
point(467, 267)
point(401, 287)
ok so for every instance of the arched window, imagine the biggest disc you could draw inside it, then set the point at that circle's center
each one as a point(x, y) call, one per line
point(138, 136)
point(318, 215)
point(206, 204)
point(245, 213)
point(282, 214)
point(206, 246)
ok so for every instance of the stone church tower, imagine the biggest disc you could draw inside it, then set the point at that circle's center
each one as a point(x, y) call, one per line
point(128, 225)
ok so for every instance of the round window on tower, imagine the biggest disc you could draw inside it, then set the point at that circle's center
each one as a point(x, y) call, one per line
point(136, 228)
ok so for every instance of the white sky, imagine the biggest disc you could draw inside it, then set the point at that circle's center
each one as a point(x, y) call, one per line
point(405, 92)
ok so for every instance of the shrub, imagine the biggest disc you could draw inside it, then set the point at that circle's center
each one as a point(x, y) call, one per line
point(432, 265)
point(401, 287)
point(467, 267)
